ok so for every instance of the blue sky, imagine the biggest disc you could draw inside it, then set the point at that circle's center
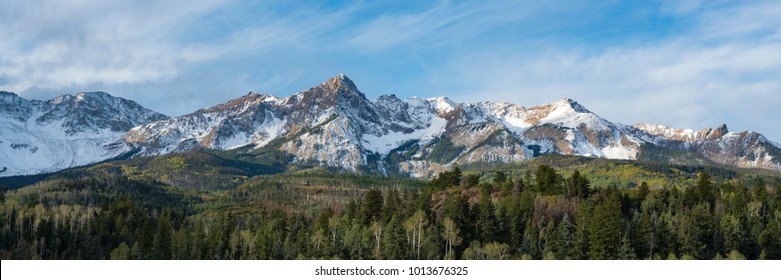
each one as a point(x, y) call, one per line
point(692, 64)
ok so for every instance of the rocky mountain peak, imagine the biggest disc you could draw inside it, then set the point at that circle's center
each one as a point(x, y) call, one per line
point(336, 95)
point(339, 84)
point(330, 92)
point(718, 132)
point(14, 106)
point(93, 111)
point(388, 97)
point(442, 105)
point(682, 134)
point(569, 103)
point(81, 97)
point(94, 94)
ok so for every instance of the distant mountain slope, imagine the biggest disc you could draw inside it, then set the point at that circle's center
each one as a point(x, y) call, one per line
point(746, 149)
point(69, 130)
point(335, 125)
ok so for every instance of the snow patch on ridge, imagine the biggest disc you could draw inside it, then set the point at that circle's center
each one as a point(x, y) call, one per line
point(385, 143)
point(29, 149)
point(442, 104)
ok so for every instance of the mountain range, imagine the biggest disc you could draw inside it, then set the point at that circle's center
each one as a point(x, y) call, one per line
point(335, 125)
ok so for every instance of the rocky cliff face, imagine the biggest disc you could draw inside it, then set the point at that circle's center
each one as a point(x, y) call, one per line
point(746, 149)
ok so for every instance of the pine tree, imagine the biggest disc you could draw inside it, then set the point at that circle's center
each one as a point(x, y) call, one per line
point(531, 241)
point(732, 233)
point(696, 232)
point(625, 251)
point(164, 236)
point(578, 186)
point(393, 245)
point(565, 232)
point(372, 207)
point(486, 220)
point(770, 241)
point(547, 180)
point(644, 240)
point(122, 252)
point(642, 192)
point(604, 229)
point(581, 241)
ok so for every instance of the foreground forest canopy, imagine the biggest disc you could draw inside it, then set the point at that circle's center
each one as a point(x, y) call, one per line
point(551, 208)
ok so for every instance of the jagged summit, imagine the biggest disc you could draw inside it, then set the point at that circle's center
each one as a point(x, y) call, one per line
point(335, 90)
point(442, 104)
point(684, 134)
point(718, 132)
point(80, 96)
point(569, 103)
point(339, 83)
point(101, 94)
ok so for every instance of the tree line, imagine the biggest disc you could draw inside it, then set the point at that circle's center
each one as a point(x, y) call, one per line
point(537, 215)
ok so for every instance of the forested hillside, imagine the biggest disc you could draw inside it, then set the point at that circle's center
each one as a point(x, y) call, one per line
point(548, 208)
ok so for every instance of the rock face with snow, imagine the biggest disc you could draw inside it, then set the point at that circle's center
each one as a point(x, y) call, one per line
point(69, 130)
point(746, 149)
point(335, 125)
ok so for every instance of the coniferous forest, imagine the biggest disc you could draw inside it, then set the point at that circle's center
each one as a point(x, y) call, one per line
point(548, 208)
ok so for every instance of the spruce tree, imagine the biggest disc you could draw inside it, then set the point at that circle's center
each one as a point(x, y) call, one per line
point(604, 229)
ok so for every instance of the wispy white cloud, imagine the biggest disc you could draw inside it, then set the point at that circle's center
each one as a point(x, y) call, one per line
point(442, 23)
point(756, 18)
point(53, 44)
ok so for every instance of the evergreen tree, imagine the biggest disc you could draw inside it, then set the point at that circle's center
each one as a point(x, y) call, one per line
point(578, 186)
point(547, 180)
point(122, 252)
point(701, 192)
point(604, 229)
point(770, 241)
point(565, 232)
point(696, 232)
point(393, 241)
point(392, 205)
point(531, 244)
point(644, 240)
point(625, 251)
point(372, 206)
point(486, 220)
point(732, 233)
point(642, 193)
point(164, 236)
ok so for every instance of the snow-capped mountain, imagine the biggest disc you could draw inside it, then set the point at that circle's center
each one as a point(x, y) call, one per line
point(69, 130)
point(335, 125)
